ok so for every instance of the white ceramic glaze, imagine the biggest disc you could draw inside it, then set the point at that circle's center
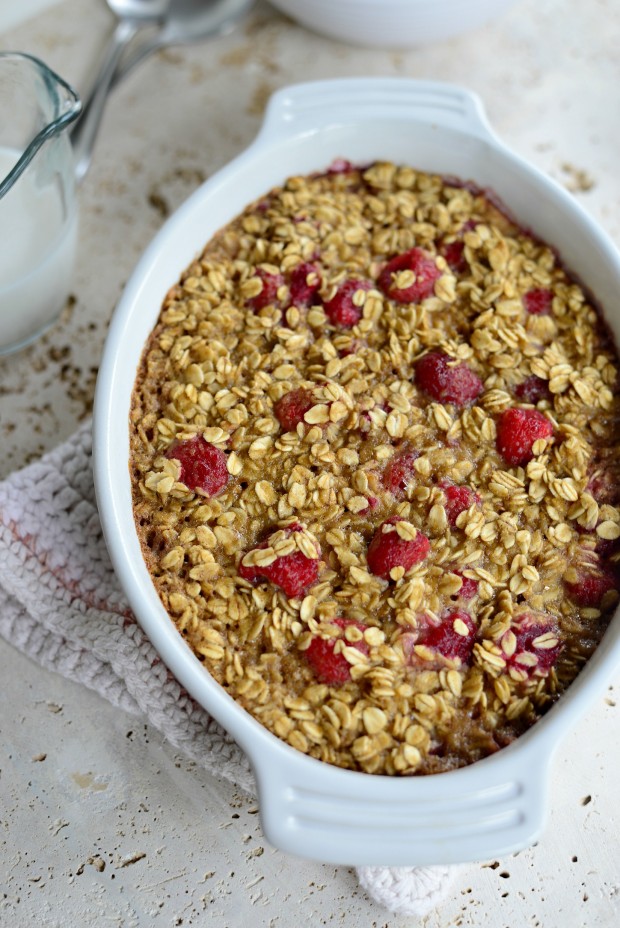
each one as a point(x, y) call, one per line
point(309, 808)
point(393, 23)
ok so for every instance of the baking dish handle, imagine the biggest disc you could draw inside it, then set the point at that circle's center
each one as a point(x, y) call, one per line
point(316, 105)
point(491, 809)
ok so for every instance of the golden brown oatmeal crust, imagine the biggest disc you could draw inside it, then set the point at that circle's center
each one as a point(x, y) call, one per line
point(217, 364)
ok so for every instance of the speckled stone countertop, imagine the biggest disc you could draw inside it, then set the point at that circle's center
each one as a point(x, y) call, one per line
point(102, 824)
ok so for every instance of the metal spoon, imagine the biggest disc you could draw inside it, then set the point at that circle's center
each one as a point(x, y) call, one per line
point(182, 21)
point(131, 16)
point(187, 21)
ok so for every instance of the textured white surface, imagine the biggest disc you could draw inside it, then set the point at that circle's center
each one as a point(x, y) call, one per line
point(176, 846)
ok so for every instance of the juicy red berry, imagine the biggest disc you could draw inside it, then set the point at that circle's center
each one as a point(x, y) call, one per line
point(590, 588)
point(452, 638)
point(446, 381)
point(330, 667)
point(203, 466)
point(371, 503)
point(538, 301)
point(269, 294)
point(291, 408)
point(526, 651)
point(517, 430)
point(458, 500)
point(293, 573)
point(340, 166)
point(469, 587)
point(533, 389)
point(454, 253)
point(304, 284)
point(426, 273)
point(388, 550)
point(603, 484)
point(341, 310)
point(399, 472)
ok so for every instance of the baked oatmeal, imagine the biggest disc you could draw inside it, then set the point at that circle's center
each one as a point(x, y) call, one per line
point(374, 455)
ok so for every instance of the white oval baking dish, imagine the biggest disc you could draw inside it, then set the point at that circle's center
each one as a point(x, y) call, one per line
point(309, 808)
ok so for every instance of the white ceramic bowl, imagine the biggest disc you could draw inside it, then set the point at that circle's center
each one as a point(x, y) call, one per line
point(393, 23)
point(307, 807)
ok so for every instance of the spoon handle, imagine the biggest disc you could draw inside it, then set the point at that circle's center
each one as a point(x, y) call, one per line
point(85, 132)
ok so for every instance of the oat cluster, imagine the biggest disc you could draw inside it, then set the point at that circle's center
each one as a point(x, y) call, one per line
point(326, 440)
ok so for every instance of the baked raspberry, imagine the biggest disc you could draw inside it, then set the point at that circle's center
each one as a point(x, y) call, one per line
point(533, 389)
point(425, 273)
point(340, 166)
point(603, 483)
point(304, 284)
point(454, 253)
point(452, 638)
point(469, 587)
point(538, 301)
point(293, 573)
point(458, 499)
point(591, 587)
point(446, 380)
point(399, 472)
point(203, 466)
point(332, 667)
point(517, 430)
point(372, 503)
point(269, 294)
point(531, 645)
point(291, 408)
point(388, 550)
point(341, 309)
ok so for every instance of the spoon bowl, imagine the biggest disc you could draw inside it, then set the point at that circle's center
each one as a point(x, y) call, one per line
point(178, 22)
point(187, 21)
point(131, 16)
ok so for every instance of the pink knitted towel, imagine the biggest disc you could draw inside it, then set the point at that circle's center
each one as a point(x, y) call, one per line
point(61, 604)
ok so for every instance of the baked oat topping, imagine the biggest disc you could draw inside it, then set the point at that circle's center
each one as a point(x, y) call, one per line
point(374, 456)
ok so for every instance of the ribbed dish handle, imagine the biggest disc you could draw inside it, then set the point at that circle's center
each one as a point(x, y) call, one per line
point(313, 106)
point(490, 809)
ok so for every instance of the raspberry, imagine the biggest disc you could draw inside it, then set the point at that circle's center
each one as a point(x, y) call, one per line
point(453, 252)
point(533, 389)
point(517, 430)
point(341, 310)
point(269, 294)
point(424, 268)
point(304, 284)
point(590, 588)
point(538, 301)
point(291, 408)
point(446, 381)
point(458, 500)
point(399, 472)
point(203, 466)
point(453, 638)
point(331, 667)
point(469, 587)
point(371, 503)
point(388, 550)
point(530, 646)
point(603, 483)
point(340, 166)
point(293, 573)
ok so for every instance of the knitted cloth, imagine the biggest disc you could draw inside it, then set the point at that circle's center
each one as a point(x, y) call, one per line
point(60, 604)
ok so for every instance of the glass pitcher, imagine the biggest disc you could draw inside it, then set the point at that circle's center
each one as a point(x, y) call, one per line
point(38, 207)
